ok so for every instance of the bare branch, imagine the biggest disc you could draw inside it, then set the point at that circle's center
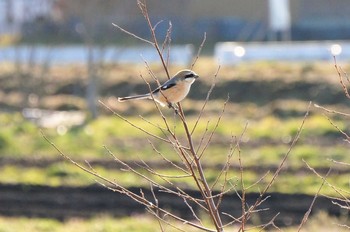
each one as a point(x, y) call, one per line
point(156, 211)
point(204, 186)
point(331, 111)
point(215, 127)
point(91, 168)
point(275, 175)
point(234, 220)
point(132, 124)
point(199, 50)
point(193, 212)
point(155, 25)
point(132, 34)
point(161, 219)
point(306, 216)
point(271, 223)
point(206, 99)
point(340, 192)
point(227, 164)
point(341, 206)
point(340, 130)
point(243, 190)
point(339, 71)
point(338, 162)
point(167, 43)
point(203, 136)
point(143, 7)
point(163, 176)
point(345, 226)
point(118, 188)
point(167, 160)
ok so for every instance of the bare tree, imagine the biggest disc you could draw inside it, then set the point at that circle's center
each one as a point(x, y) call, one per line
point(189, 159)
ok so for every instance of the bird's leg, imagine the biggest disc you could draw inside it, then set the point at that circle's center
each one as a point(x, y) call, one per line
point(173, 106)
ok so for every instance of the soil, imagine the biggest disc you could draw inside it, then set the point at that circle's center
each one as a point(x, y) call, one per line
point(67, 202)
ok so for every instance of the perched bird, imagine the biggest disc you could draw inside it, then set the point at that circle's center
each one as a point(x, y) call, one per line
point(172, 91)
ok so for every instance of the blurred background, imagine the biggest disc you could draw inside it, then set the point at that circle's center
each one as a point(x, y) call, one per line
point(59, 57)
point(62, 22)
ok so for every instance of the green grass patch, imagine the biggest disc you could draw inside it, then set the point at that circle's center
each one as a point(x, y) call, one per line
point(69, 175)
point(264, 144)
point(139, 223)
point(19, 137)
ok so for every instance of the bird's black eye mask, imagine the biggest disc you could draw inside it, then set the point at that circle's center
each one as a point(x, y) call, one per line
point(190, 75)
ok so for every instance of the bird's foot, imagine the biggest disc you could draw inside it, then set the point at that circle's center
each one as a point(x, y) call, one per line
point(173, 106)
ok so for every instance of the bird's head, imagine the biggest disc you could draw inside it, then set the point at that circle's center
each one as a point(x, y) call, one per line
point(187, 75)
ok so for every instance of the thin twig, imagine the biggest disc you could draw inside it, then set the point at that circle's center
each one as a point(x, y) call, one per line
point(129, 168)
point(306, 216)
point(226, 166)
point(338, 191)
point(243, 190)
point(340, 130)
point(215, 127)
point(156, 211)
point(163, 176)
point(143, 7)
point(165, 221)
point(338, 162)
point(167, 160)
point(199, 50)
point(167, 43)
point(343, 225)
point(203, 136)
point(234, 220)
point(91, 168)
point(259, 180)
point(153, 124)
point(340, 205)
point(206, 99)
point(193, 212)
point(345, 89)
point(156, 105)
point(132, 34)
point(331, 111)
point(277, 172)
point(132, 124)
point(271, 223)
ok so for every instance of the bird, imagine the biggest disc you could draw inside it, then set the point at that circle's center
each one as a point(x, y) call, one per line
point(172, 91)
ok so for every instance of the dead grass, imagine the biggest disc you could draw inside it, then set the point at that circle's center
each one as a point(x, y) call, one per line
point(322, 222)
point(66, 85)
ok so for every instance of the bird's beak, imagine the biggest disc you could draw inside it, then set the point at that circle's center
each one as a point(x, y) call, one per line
point(196, 76)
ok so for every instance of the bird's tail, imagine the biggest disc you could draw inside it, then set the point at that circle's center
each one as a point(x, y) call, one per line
point(136, 97)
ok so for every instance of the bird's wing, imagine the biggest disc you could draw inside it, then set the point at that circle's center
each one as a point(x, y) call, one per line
point(165, 86)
